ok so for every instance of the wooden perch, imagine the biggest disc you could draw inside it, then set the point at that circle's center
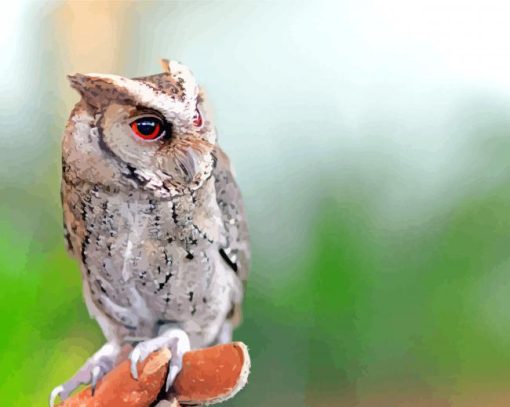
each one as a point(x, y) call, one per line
point(208, 376)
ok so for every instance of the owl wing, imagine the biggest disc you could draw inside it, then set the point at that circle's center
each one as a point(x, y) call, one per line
point(72, 221)
point(235, 248)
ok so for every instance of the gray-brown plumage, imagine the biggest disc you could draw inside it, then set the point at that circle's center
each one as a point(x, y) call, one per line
point(157, 223)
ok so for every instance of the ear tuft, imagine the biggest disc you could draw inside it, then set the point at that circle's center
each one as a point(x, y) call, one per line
point(86, 83)
point(77, 81)
point(165, 64)
point(93, 88)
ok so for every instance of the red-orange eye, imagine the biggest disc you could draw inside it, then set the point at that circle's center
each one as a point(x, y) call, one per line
point(197, 118)
point(147, 128)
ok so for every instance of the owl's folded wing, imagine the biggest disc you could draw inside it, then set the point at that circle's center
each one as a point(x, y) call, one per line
point(236, 250)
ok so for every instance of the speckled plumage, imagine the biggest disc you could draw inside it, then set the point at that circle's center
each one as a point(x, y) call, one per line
point(157, 226)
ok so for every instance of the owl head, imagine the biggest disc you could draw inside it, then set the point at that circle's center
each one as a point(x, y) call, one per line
point(150, 133)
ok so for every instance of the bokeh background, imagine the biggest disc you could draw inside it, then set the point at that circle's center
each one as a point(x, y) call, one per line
point(371, 140)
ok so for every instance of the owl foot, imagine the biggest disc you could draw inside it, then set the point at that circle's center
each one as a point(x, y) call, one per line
point(95, 368)
point(175, 339)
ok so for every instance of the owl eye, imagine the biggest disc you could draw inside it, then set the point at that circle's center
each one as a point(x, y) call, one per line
point(148, 128)
point(197, 118)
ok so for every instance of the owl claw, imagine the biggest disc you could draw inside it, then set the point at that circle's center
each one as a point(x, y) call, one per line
point(174, 339)
point(173, 369)
point(56, 392)
point(135, 357)
point(94, 377)
point(95, 368)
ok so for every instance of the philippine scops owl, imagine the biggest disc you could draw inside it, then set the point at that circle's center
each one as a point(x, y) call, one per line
point(154, 216)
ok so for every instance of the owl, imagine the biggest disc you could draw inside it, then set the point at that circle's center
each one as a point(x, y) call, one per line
point(154, 216)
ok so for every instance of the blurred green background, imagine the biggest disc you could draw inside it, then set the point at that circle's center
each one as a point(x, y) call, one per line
point(372, 144)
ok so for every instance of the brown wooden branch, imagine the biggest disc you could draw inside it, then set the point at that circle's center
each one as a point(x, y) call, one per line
point(208, 376)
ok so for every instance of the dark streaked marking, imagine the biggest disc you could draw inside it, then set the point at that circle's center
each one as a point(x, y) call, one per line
point(161, 285)
point(174, 214)
point(227, 260)
point(102, 144)
point(86, 241)
point(168, 261)
point(185, 171)
point(167, 277)
point(67, 236)
point(132, 175)
point(161, 322)
point(214, 160)
point(99, 284)
point(202, 234)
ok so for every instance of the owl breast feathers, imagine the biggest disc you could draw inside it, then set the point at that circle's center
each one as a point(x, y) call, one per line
point(151, 208)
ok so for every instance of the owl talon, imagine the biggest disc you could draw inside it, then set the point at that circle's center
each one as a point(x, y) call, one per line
point(135, 357)
point(174, 339)
point(95, 376)
point(56, 392)
point(175, 366)
point(95, 368)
